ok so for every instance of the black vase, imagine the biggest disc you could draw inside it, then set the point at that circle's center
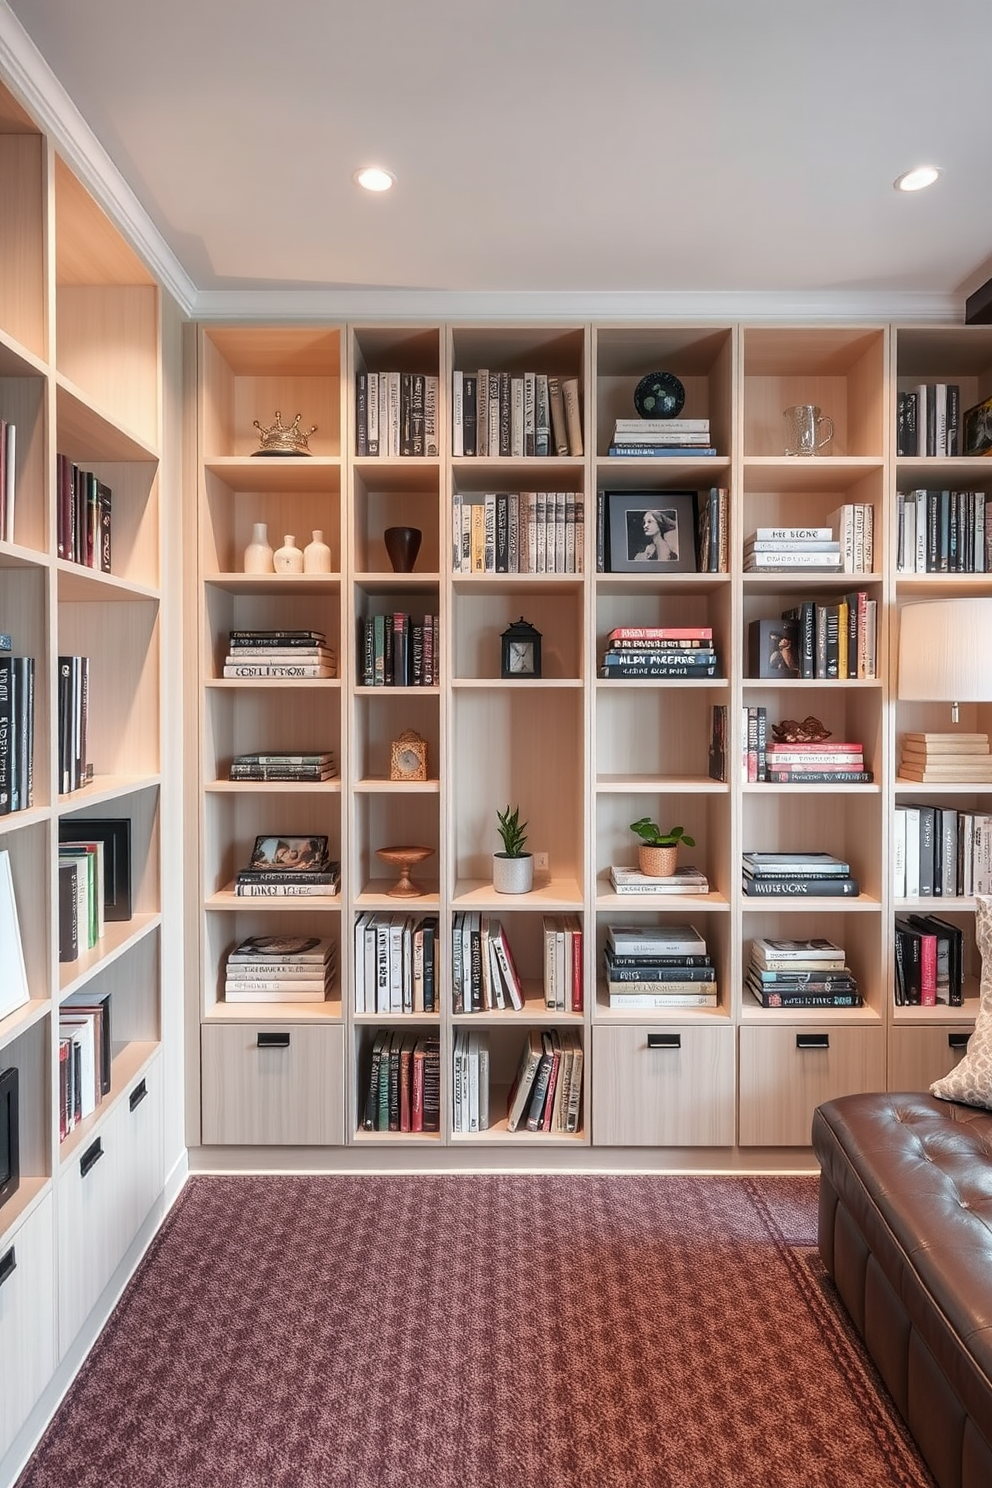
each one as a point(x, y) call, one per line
point(402, 545)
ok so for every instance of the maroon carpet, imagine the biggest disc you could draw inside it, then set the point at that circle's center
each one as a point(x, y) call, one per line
point(480, 1332)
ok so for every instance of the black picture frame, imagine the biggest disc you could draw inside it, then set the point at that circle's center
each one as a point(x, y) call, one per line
point(289, 854)
point(633, 547)
point(115, 834)
point(976, 425)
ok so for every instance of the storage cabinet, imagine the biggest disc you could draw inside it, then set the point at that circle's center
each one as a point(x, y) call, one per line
point(274, 1083)
point(787, 1071)
point(27, 1316)
point(664, 1086)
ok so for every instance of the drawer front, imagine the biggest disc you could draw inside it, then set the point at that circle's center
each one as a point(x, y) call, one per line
point(663, 1086)
point(27, 1317)
point(785, 1073)
point(918, 1056)
point(90, 1243)
point(270, 1084)
point(142, 1160)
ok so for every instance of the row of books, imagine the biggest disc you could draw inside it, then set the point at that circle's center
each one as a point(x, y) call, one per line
point(713, 544)
point(403, 1090)
point(947, 759)
point(800, 974)
point(316, 766)
point(797, 875)
point(824, 762)
point(85, 1056)
point(398, 650)
point(929, 955)
point(659, 651)
point(518, 532)
point(928, 420)
point(17, 676)
point(279, 653)
point(546, 1094)
point(8, 465)
point(637, 438)
point(943, 532)
point(661, 975)
point(940, 852)
point(395, 963)
point(396, 414)
point(82, 895)
point(687, 879)
point(280, 968)
point(83, 516)
point(75, 769)
point(515, 414)
point(836, 638)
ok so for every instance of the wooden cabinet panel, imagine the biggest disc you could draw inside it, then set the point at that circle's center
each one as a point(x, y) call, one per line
point(785, 1073)
point(663, 1087)
point(27, 1317)
point(278, 1084)
point(89, 1229)
point(918, 1056)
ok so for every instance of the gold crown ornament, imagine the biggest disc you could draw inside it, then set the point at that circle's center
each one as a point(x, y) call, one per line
point(283, 439)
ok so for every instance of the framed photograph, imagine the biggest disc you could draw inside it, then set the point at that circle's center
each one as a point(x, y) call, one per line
point(301, 854)
point(977, 426)
point(14, 981)
point(651, 531)
point(115, 834)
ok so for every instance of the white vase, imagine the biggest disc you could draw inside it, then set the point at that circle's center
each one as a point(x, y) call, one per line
point(317, 555)
point(513, 875)
point(258, 553)
point(288, 558)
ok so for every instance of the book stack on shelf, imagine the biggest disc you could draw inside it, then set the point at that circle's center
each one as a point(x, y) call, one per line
point(395, 963)
point(563, 963)
point(516, 414)
point(836, 639)
point(659, 651)
point(85, 1057)
point(943, 532)
point(782, 549)
point(713, 547)
point(853, 525)
point(288, 768)
point(940, 852)
point(279, 653)
point(484, 975)
point(75, 770)
point(398, 650)
point(929, 955)
point(396, 414)
point(470, 1081)
point(518, 532)
point(951, 759)
point(687, 879)
point(800, 874)
point(658, 967)
point(8, 445)
point(280, 968)
point(287, 867)
point(800, 974)
point(826, 762)
point(16, 728)
point(546, 1094)
point(403, 1093)
point(928, 420)
point(83, 517)
point(661, 437)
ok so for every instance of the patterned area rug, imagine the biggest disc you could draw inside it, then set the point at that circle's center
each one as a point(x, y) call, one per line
point(459, 1331)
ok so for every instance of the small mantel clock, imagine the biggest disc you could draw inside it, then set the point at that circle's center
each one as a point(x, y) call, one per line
point(520, 650)
point(408, 757)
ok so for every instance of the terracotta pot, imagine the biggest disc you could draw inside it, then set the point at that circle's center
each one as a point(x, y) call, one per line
point(657, 862)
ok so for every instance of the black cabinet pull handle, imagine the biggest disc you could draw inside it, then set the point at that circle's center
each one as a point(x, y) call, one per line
point(91, 1157)
point(664, 1041)
point(273, 1040)
point(8, 1265)
point(137, 1095)
point(958, 1040)
point(812, 1041)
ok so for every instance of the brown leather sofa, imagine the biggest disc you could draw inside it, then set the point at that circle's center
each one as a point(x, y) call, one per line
point(905, 1231)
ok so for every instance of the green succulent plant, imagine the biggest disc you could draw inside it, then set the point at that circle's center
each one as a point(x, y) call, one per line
point(652, 835)
point(513, 832)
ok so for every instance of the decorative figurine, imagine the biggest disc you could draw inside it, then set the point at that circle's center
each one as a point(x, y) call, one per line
point(283, 439)
point(810, 731)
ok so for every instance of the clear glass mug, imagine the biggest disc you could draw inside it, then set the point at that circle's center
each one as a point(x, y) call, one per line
point(807, 429)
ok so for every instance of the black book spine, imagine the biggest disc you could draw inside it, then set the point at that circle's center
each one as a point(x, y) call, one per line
point(469, 413)
point(362, 413)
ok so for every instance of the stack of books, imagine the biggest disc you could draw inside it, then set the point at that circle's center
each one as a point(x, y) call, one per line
point(658, 967)
point(280, 968)
point(659, 651)
point(283, 654)
point(546, 1094)
point(799, 974)
point(636, 437)
point(802, 874)
point(282, 867)
point(826, 762)
point(685, 880)
point(285, 767)
point(774, 549)
point(404, 1087)
point(946, 758)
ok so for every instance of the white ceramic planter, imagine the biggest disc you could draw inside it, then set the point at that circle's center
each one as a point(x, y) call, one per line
point(513, 875)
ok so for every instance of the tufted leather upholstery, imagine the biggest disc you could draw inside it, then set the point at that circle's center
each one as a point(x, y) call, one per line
point(905, 1231)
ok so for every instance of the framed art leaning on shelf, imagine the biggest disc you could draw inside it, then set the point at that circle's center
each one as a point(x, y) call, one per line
point(651, 530)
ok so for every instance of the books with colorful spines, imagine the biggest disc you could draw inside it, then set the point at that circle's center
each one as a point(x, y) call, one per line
point(646, 1000)
point(662, 657)
point(523, 1082)
point(542, 1080)
point(557, 1059)
point(816, 864)
point(574, 938)
point(685, 880)
point(917, 959)
point(949, 956)
point(620, 669)
point(771, 950)
point(661, 633)
point(665, 940)
point(823, 761)
point(792, 886)
point(693, 646)
point(770, 998)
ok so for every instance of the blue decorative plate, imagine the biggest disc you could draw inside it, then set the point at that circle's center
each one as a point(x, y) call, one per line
point(659, 395)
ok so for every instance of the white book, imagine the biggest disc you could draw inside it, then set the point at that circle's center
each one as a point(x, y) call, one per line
point(432, 444)
point(483, 1083)
point(559, 564)
point(530, 410)
point(826, 561)
point(630, 427)
point(457, 414)
point(792, 545)
point(650, 1000)
point(517, 416)
point(809, 534)
point(842, 522)
point(406, 973)
point(81, 1028)
point(899, 853)
point(14, 979)
point(489, 546)
point(912, 815)
point(372, 407)
point(473, 1081)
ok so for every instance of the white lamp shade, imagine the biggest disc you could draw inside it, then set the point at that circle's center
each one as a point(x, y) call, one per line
point(945, 651)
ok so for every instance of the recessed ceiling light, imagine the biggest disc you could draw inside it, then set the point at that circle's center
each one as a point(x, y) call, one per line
point(373, 178)
point(916, 179)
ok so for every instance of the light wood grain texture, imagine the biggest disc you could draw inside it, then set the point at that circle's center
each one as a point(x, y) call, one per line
point(679, 1095)
point(27, 1317)
point(273, 1096)
point(782, 1084)
point(918, 1056)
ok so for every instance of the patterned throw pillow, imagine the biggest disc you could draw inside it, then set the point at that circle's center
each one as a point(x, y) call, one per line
point(970, 1080)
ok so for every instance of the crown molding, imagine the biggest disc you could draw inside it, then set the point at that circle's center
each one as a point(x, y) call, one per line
point(29, 76)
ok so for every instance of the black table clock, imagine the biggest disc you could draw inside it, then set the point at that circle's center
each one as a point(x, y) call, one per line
point(521, 650)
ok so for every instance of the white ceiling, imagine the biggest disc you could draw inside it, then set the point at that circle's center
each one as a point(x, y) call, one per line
point(548, 145)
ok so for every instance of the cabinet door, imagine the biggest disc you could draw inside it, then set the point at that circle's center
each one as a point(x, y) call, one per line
point(27, 1318)
point(918, 1056)
point(141, 1154)
point(89, 1227)
point(272, 1084)
point(785, 1073)
point(663, 1087)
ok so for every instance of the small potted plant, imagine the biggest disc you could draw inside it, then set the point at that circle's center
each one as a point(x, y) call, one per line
point(658, 851)
point(513, 868)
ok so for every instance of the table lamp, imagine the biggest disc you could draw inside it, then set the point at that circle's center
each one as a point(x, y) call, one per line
point(945, 652)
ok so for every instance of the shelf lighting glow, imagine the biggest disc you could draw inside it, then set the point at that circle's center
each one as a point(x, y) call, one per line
point(916, 179)
point(374, 178)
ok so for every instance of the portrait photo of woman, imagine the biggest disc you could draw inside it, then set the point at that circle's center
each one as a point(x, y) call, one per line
point(653, 536)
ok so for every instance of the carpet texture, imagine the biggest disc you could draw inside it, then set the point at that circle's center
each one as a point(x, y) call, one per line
point(491, 1331)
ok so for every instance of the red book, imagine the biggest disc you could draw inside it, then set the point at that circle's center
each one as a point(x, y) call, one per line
point(661, 633)
point(826, 746)
point(928, 970)
point(576, 929)
point(417, 1091)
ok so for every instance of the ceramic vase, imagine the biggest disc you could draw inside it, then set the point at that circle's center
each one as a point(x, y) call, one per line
point(513, 875)
point(258, 553)
point(317, 555)
point(288, 558)
point(402, 545)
